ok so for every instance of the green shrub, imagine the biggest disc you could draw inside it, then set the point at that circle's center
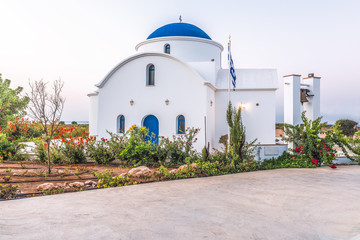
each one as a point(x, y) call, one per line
point(73, 150)
point(56, 152)
point(8, 149)
point(99, 151)
point(239, 148)
point(8, 191)
point(136, 150)
point(40, 151)
point(347, 126)
point(109, 179)
point(286, 160)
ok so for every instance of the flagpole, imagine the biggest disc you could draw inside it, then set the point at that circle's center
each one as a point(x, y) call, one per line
point(229, 46)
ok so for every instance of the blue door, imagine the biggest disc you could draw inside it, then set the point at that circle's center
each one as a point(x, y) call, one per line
point(152, 124)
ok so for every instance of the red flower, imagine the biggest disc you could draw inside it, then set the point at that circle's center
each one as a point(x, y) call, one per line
point(314, 161)
point(293, 157)
point(333, 166)
point(332, 154)
point(298, 149)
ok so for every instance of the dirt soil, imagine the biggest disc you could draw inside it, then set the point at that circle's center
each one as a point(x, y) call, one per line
point(29, 175)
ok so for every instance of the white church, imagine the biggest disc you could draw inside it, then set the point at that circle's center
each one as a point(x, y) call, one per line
point(176, 80)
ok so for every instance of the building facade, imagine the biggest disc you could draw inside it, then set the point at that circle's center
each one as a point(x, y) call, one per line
point(175, 81)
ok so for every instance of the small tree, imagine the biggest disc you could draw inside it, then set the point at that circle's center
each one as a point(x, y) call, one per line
point(46, 108)
point(237, 131)
point(347, 127)
point(12, 105)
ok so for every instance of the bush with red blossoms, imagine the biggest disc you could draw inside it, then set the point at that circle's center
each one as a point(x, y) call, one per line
point(314, 161)
point(333, 166)
point(309, 145)
point(73, 149)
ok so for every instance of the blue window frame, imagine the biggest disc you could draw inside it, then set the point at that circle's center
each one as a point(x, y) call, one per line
point(121, 124)
point(181, 124)
point(150, 78)
point(167, 48)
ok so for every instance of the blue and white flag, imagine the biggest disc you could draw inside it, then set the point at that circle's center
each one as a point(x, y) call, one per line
point(232, 69)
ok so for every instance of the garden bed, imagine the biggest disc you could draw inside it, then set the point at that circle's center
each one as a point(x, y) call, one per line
point(28, 175)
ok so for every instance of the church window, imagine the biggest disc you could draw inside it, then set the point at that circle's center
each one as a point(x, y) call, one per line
point(181, 124)
point(121, 124)
point(167, 48)
point(150, 75)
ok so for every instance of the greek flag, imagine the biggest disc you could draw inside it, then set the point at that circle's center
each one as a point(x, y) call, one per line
point(232, 69)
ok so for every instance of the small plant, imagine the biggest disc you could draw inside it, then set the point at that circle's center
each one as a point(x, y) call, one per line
point(53, 191)
point(109, 179)
point(238, 145)
point(22, 165)
point(7, 178)
point(8, 191)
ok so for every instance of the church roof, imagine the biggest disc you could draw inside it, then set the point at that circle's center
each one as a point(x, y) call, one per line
point(179, 30)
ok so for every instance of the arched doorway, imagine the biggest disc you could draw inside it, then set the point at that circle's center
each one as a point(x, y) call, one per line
point(152, 124)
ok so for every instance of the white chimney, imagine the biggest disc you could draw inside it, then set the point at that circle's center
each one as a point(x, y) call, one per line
point(292, 105)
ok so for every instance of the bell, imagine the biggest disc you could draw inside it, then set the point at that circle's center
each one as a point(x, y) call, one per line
point(303, 97)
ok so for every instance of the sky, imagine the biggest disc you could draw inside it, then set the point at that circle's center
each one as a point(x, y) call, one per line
point(81, 41)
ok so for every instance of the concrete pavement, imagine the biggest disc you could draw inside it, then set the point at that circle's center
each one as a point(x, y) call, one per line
point(312, 204)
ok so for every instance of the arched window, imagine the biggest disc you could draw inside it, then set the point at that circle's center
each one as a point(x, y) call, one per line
point(180, 124)
point(150, 75)
point(120, 124)
point(167, 48)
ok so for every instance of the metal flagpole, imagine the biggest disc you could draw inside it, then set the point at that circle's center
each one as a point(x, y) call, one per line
point(229, 46)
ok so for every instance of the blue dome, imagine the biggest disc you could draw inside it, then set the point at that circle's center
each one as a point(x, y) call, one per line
point(179, 29)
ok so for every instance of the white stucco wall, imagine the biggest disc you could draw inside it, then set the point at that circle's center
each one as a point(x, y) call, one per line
point(258, 120)
point(175, 81)
point(292, 105)
point(187, 49)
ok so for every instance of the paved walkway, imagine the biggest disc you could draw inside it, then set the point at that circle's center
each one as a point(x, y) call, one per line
point(279, 204)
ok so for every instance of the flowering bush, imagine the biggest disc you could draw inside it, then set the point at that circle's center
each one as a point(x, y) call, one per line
point(99, 150)
point(309, 145)
point(22, 129)
point(315, 161)
point(73, 150)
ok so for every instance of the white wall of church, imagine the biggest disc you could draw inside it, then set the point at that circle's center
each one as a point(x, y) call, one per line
point(174, 81)
point(258, 120)
point(186, 49)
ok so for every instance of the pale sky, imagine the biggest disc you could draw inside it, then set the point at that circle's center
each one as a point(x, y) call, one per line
point(81, 41)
